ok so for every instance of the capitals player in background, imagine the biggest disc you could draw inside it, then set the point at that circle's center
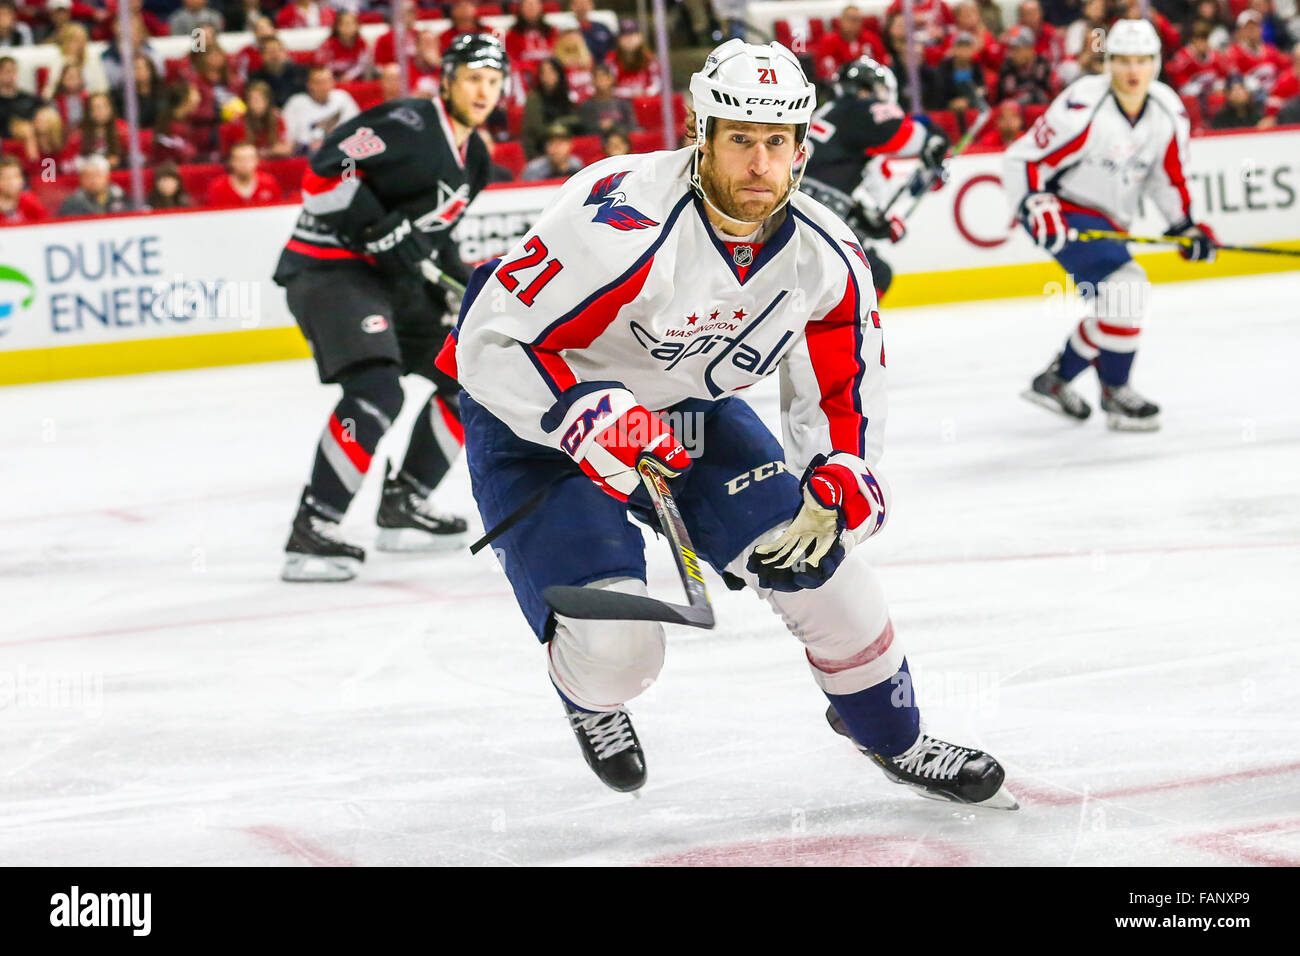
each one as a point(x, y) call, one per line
point(673, 281)
point(1105, 143)
point(853, 137)
point(380, 199)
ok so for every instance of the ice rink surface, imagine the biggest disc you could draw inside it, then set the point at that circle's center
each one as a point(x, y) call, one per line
point(1115, 616)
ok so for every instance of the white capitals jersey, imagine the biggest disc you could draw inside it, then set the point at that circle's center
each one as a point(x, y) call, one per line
point(1086, 150)
point(623, 281)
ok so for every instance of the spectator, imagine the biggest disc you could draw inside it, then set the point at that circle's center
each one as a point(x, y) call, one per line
point(496, 172)
point(261, 125)
point(69, 95)
point(72, 44)
point(896, 44)
point(304, 13)
point(97, 194)
point(13, 32)
point(1008, 125)
point(603, 110)
point(247, 60)
point(464, 19)
point(1061, 13)
point(174, 135)
point(1198, 69)
point(1089, 28)
point(1209, 11)
point(244, 184)
point(1257, 62)
point(390, 82)
point(149, 93)
point(242, 14)
point(13, 101)
point(959, 81)
point(530, 40)
point(425, 68)
point(386, 51)
point(615, 142)
point(991, 14)
point(558, 161)
point(988, 50)
point(58, 14)
point(849, 40)
point(573, 55)
point(1240, 111)
point(598, 37)
point(345, 51)
point(1287, 85)
point(218, 100)
point(192, 15)
point(279, 72)
point(101, 133)
point(931, 20)
point(309, 117)
point(636, 71)
point(1047, 39)
point(1089, 61)
point(168, 192)
point(1025, 75)
point(548, 105)
point(18, 205)
point(43, 141)
point(111, 58)
point(1289, 114)
point(1273, 30)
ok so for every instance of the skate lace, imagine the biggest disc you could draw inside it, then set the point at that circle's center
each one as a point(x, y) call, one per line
point(1126, 398)
point(609, 733)
point(323, 527)
point(945, 759)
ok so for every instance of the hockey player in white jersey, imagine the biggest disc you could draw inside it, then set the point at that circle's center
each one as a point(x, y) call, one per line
point(672, 281)
point(1105, 143)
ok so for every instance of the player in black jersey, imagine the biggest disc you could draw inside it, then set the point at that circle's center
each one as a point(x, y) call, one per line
point(380, 199)
point(864, 123)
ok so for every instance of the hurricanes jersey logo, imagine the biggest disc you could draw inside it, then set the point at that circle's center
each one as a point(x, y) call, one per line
point(613, 208)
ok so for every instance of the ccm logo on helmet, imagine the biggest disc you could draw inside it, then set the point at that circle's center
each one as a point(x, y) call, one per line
point(776, 101)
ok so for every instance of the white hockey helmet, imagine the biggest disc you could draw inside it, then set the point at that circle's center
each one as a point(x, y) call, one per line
point(752, 83)
point(1133, 38)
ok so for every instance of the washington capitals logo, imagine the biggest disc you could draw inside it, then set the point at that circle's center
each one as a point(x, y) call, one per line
point(614, 210)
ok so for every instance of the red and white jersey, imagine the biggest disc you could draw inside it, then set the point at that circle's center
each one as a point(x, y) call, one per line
point(1193, 74)
point(624, 280)
point(1086, 150)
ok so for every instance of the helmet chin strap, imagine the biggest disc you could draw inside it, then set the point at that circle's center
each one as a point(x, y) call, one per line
point(795, 180)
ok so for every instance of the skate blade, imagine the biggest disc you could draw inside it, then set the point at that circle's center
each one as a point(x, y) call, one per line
point(413, 539)
point(1002, 800)
point(313, 567)
point(1122, 423)
point(1043, 401)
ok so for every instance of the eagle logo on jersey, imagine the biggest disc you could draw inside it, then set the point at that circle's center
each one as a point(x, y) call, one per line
point(614, 210)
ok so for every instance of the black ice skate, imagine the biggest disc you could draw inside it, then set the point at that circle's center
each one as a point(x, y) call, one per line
point(610, 747)
point(1127, 411)
point(407, 522)
point(1054, 393)
point(314, 551)
point(942, 771)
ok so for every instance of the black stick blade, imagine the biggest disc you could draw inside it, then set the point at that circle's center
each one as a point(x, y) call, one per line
point(594, 604)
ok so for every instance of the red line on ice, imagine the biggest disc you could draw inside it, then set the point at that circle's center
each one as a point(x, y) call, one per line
point(292, 844)
point(1051, 798)
point(1225, 843)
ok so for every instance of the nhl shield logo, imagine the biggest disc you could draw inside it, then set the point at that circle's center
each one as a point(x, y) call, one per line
point(743, 256)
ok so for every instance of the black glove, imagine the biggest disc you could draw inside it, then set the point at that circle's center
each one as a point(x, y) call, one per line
point(1204, 246)
point(398, 247)
point(873, 224)
point(934, 149)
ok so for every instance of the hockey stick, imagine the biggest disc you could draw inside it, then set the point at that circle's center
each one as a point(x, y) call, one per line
point(519, 514)
point(594, 604)
point(980, 121)
point(435, 275)
point(1091, 235)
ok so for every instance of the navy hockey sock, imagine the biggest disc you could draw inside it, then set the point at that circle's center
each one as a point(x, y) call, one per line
point(436, 440)
point(372, 398)
point(1071, 363)
point(883, 718)
point(1113, 368)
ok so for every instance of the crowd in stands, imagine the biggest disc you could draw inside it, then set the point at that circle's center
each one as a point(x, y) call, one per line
point(233, 127)
point(1233, 62)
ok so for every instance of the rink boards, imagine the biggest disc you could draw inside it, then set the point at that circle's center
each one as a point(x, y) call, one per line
point(183, 290)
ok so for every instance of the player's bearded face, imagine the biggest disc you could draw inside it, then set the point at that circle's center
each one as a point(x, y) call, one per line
point(745, 168)
point(472, 95)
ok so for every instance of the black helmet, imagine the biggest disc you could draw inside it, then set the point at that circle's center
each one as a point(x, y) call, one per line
point(475, 50)
point(866, 75)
